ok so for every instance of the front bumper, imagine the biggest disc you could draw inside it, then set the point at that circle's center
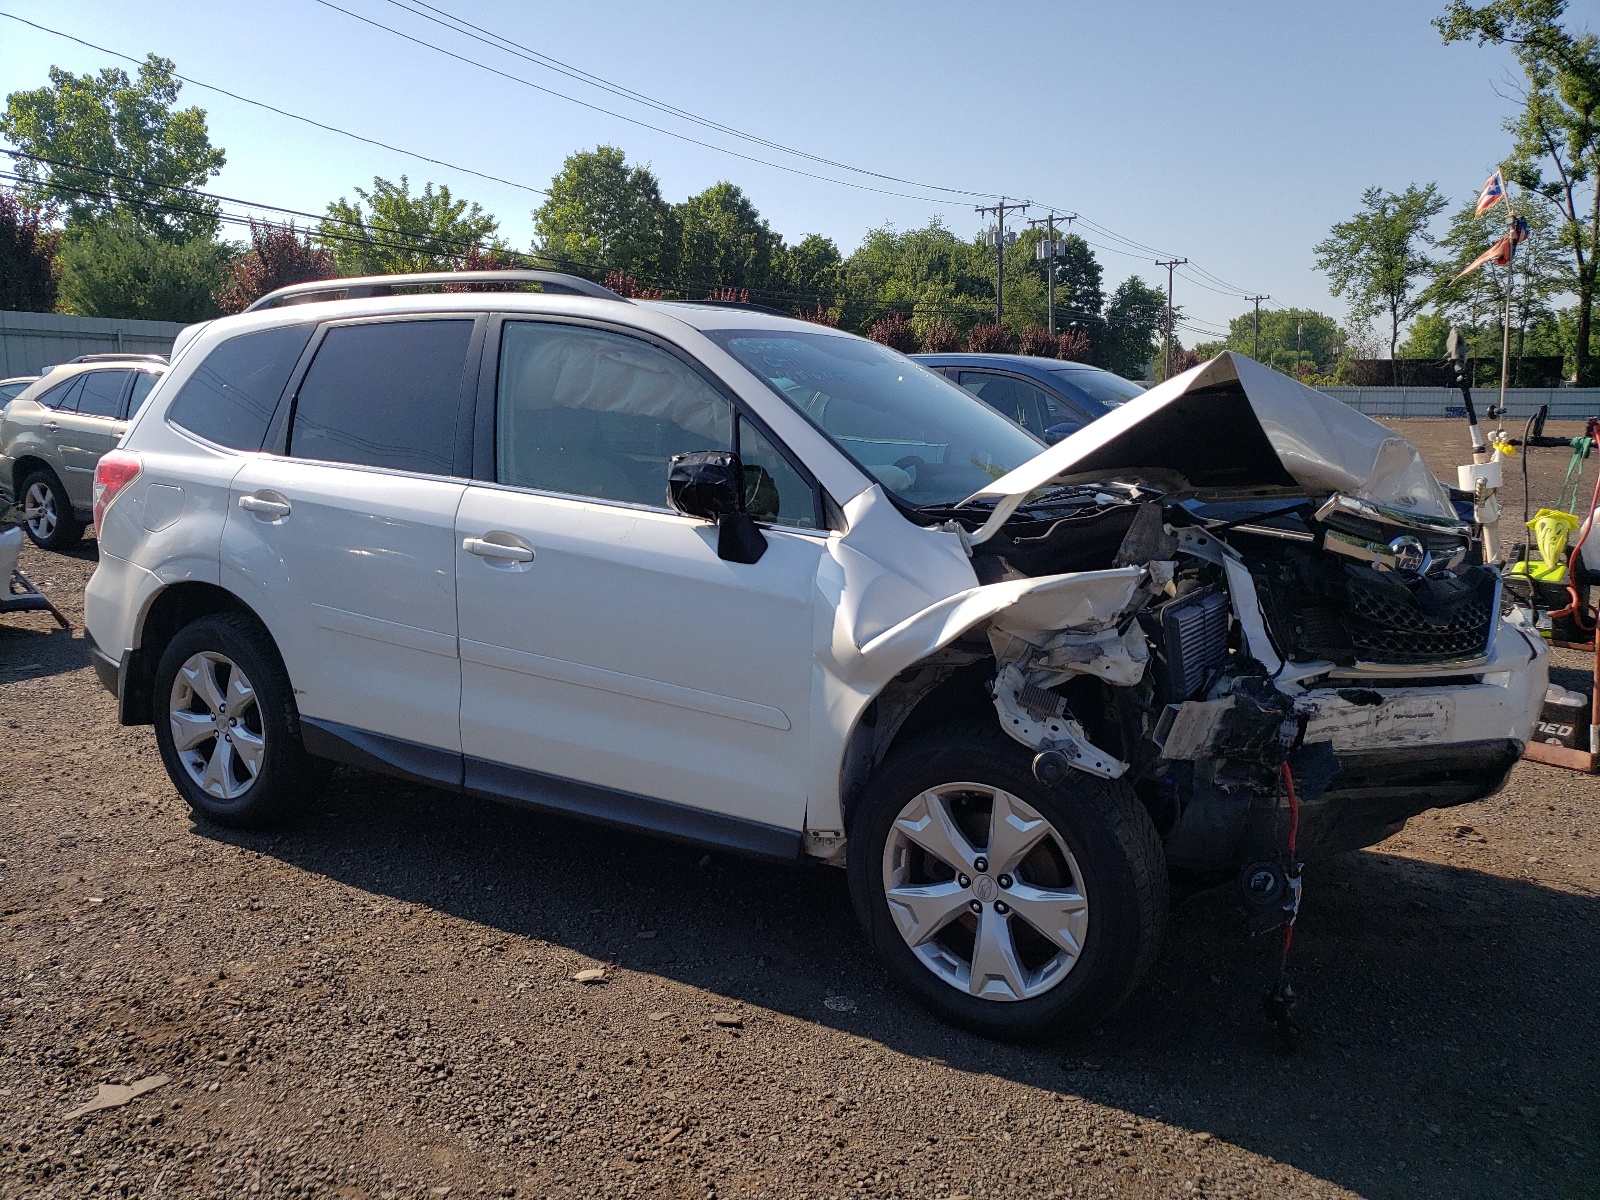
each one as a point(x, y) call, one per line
point(1375, 753)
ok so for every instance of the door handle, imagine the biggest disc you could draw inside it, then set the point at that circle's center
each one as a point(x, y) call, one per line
point(52, 426)
point(276, 509)
point(487, 549)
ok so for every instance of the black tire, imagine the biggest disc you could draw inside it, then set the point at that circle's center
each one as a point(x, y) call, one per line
point(1120, 866)
point(64, 530)
point(285, 778)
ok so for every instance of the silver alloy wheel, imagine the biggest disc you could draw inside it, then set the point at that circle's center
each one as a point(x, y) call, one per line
point(216, 725)
point(985, 891)
point(39, 510)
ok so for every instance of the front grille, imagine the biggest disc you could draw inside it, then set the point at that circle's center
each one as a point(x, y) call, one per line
point(1389, 625)
point(1318, 608)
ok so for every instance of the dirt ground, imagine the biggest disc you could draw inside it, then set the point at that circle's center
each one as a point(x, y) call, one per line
point(379, 1002)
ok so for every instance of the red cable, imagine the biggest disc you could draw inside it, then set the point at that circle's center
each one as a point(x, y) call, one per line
point(1294, 836)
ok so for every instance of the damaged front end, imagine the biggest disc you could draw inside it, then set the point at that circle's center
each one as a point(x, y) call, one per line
point(1231, 575)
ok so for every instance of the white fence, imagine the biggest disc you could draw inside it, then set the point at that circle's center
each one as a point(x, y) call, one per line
point(1565, 403)
point(29, 342)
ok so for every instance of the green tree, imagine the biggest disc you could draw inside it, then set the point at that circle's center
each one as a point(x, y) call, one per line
point(1556, 136)
point(603, 215)
point(929, 272)
point(812, 271)
point(27, 256)
point(105, 145)
point(1378, 258)
point(1317, 337)
point(1135, 317)
point(115, 267)
point(1476, 302)
point(389, 231)
point(723, 241)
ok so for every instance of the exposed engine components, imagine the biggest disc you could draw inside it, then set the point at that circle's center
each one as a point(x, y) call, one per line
point(1039, 718)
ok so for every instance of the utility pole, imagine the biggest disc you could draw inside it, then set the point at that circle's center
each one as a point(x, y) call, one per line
point(999, 242)
point(1170, 264)
point(1049, 251)
point(1299, 330)
point(1255, 342)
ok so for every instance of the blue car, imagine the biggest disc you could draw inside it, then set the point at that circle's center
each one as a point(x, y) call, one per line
point(1046, 396)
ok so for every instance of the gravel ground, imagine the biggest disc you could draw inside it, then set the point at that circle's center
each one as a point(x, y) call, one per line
point(379, 1002)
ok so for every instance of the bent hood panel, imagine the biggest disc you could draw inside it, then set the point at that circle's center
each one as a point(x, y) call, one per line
point(1232, 427)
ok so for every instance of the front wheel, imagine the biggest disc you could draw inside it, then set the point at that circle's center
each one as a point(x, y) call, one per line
point(226, 724)
point(1008, 907)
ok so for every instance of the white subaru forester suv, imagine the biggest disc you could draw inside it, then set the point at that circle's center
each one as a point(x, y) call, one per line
point(758, 584)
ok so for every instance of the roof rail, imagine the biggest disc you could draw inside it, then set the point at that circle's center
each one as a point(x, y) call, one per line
point(386, 285)
point(119, 356)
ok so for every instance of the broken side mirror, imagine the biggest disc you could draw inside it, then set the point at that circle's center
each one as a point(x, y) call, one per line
point(709, 484)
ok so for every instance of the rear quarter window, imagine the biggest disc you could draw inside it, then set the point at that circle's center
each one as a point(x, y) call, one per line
point(231, 396)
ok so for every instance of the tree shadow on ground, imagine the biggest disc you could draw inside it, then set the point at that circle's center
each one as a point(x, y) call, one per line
point(1452, 1032)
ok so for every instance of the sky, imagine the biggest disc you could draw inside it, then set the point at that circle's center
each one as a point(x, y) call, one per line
point(1229, 133)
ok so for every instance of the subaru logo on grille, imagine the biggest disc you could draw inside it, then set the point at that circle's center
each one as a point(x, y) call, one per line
point(1410, 555)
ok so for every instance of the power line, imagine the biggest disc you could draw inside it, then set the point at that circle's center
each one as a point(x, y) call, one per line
point(539, 87)
point(283, 112)
point(1138, 248)
point(500, 42)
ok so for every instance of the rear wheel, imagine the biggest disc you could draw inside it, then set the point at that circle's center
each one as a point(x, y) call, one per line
point(226, 724)
point(1009, 907)
point(47, 513)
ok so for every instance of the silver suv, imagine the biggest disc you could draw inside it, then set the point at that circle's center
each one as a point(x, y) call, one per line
point(757, 584)
point(54, 431)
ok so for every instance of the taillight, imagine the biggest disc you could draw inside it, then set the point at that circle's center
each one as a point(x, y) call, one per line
point(116, 471)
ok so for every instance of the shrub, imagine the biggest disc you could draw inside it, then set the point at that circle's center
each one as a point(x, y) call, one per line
point(989, 339)
point(1038, 342)
point(940, 337)
point(115, 268)
point(1073, 345)
point(27, 256)
point(624, 284)
point(279, 255)
point(729, 295)
point(819, 316)
point(895, 332)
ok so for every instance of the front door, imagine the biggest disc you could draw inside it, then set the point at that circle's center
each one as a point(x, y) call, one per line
point(602, 639)
point(344, 544)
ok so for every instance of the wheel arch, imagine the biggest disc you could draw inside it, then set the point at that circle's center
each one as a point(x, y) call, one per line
point(26, 464)
point(168, 611)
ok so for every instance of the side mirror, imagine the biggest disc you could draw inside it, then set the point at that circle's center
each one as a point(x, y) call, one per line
point(1061, 431)
point(709, 484)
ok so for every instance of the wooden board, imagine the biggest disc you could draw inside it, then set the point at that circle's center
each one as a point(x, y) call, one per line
point(1559, 756)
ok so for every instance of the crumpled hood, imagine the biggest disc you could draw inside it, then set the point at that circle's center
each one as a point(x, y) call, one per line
point(1229, 428)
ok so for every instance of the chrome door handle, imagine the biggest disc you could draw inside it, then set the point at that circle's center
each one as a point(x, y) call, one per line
point(267, 508)
point(52, 426)
point(487, 549)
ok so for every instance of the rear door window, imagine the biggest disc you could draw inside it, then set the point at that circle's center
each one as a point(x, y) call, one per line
point(231, 396)
point(64, 396)
point(142, 383)
point(384, 394)
point(1008, 395)
point(101, 395)
point(587, 412)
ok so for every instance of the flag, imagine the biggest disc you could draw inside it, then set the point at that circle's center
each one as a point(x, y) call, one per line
point(1493, 192)
point(1500, 255)
point(1519, 232)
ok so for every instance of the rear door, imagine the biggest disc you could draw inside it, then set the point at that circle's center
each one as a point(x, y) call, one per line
point(91, 429)
point(344, 538)
point(602, 639)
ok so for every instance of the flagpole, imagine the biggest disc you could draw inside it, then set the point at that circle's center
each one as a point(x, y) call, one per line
point(1511, 271)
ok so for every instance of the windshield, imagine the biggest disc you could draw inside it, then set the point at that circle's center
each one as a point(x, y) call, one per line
point(1110, 390)
point(919, 435)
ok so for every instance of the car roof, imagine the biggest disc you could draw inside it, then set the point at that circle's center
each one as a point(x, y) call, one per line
point(1026, 363)
point(18, 379)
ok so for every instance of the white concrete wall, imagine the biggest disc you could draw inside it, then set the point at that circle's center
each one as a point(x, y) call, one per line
point(1521, 403)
